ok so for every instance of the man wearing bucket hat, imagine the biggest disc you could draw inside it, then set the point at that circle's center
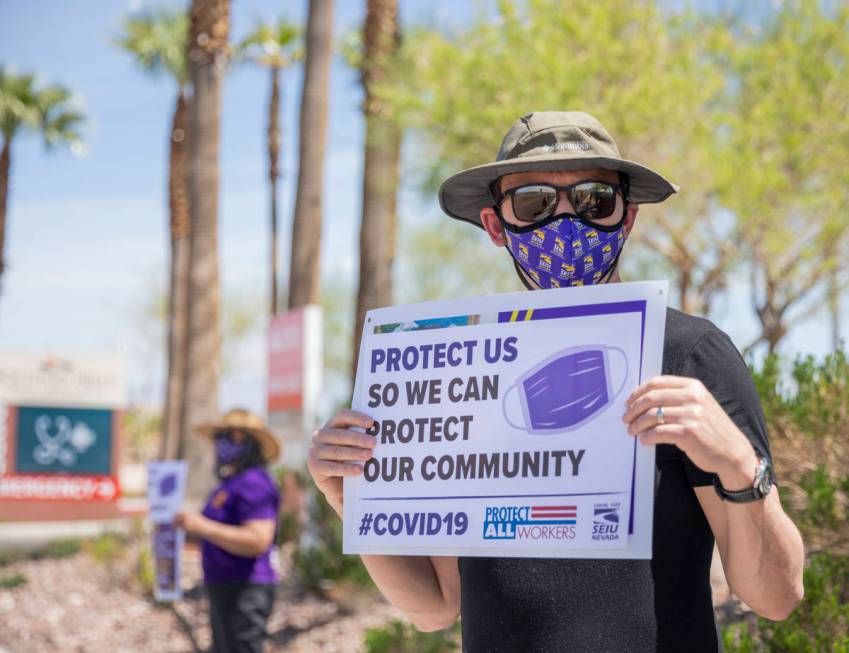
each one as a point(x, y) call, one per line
point(559, 191)
point(237, 528)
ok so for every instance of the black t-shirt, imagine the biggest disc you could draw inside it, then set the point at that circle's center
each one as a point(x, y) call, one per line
point(533, 605)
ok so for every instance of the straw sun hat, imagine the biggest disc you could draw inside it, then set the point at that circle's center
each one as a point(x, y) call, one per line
point(244, 420)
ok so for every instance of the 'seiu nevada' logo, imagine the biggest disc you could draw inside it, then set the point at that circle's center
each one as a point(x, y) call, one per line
point(605, 522)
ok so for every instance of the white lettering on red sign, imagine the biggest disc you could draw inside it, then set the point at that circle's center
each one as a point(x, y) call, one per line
point(73, 488)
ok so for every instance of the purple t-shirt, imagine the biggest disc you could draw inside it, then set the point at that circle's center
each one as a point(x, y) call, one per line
point(248, 495)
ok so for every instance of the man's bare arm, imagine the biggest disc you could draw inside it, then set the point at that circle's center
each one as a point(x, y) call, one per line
point(426, 589)
point(761, 550)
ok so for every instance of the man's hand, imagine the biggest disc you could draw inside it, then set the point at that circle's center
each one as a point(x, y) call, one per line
point(338, 451)
point(695, 423)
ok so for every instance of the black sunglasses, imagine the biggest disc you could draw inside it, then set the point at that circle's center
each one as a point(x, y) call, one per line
point(592, 200)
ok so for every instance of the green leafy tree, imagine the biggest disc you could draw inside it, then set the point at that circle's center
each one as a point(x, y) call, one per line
point(48, 111)
point(275, 47)
point(643, 72)
point(786, 150)
point(445, 259)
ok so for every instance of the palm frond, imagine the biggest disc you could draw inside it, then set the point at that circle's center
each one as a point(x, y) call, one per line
point(158, 42)
point(268, 44)
point(18, 105)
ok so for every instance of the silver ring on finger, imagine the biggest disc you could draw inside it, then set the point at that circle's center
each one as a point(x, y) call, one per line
point(658, 415)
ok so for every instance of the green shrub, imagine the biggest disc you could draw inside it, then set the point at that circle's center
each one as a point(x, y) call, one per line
point(816, 401)
point(819, 625)
point(324, 561)
point(823, 508)
point(288, 528)
point(145, 569)
point(821, 400)
point(106, 548)
point(9, 556)
point(12, 581)
point(402, 637)
point(56, 549)
point(59, 549)
point(807, 410)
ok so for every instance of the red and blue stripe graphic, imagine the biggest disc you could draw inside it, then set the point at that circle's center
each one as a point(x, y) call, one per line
point(553, 515)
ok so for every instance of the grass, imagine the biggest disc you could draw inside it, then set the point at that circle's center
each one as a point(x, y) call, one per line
point(12, 581)
point(53, 550)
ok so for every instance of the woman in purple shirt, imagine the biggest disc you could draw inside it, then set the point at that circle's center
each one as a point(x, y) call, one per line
point(237, 529)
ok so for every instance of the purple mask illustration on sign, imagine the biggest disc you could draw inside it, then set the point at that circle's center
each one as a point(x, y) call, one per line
point(566, 390)
point(167, 484)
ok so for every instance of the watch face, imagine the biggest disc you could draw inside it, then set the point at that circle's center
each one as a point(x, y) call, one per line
point(765, 484)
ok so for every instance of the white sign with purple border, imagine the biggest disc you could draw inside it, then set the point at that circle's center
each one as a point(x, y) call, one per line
point(166, 483)
point(499, 426)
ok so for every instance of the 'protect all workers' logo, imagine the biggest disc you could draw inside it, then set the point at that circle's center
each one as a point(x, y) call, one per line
point(530, 522)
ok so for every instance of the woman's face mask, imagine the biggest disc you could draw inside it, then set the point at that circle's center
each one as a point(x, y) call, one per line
point(228, 453)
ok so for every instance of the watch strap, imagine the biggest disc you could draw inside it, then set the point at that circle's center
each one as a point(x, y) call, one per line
point(760, 487)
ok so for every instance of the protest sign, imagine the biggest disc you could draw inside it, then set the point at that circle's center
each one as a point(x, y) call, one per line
point(166, 486)
point(498, 425)
point(167, 561)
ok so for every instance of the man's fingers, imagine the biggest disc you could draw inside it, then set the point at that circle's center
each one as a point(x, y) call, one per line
point(648, 419)
point(336, 449)
point(347, 418)
point(328, 468)
point(658, 383)
point(651, 399)
point(344, 437)
point(662, 434)
point(338, 452)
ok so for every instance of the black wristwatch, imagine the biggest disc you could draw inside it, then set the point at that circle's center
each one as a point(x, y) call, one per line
point(760, 487)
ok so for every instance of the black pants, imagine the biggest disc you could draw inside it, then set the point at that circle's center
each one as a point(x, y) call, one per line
point(238, 613)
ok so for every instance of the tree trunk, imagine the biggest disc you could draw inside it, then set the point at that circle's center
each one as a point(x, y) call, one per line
point(380, 167)
point(207, 56)
point(304, 282)
point(273, 174)
point(834, 308)
point(173, 422)
point(685, 281)
point(5, 166)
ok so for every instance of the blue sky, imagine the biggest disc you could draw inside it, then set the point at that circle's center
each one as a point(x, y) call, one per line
point(87, 241)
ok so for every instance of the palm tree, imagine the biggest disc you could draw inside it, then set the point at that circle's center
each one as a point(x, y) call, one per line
point(208, 53)
point(306, 224)
point(158, 42)
point(275, 46)
point(48, 111)
point(381, 39)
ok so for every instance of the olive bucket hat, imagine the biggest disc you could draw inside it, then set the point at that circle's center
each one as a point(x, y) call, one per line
point(548, 141)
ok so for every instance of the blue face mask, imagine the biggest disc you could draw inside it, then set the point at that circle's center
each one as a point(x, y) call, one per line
point(566, 390)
